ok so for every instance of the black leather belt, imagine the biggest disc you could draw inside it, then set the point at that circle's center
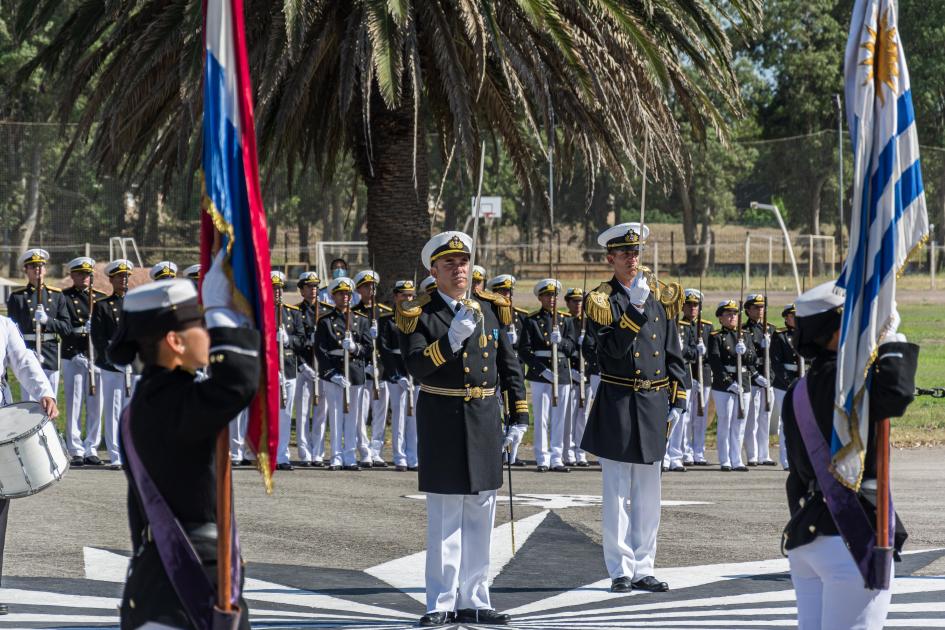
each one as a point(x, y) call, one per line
point(636, 384)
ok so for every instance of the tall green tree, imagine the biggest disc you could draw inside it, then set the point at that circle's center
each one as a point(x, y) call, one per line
point(380, 80)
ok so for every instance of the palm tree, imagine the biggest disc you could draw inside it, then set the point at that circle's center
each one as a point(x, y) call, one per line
point(380, 79)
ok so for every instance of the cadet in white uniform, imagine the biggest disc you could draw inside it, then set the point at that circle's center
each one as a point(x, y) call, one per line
point(164, 270)
point(310, 416)
point(290, 335)
point(366, 285)
point(403, 419)
point(725, 346)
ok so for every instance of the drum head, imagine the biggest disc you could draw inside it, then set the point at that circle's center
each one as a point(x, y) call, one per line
point(19, 418)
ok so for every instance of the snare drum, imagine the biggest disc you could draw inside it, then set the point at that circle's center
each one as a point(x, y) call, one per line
point(32, 453)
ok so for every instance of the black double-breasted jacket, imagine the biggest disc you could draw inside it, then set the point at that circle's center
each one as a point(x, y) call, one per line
point(381, 311)
point(106, 314)
point(534, 348)
point(689, 336)
point(388, 344)
point(891, 390)
point(172, 412)
point(642, 375)
point(329, 335)
point(290, 318)
point(20, 308)
point(459, 439)
point(310, 312)
point(724, 360)
point(77, 303)
point(785, 362)
point(755, 333)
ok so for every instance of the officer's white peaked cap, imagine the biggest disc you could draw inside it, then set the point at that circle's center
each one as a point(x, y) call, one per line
point(548, 285)
point(450, 242)
point(623, 235)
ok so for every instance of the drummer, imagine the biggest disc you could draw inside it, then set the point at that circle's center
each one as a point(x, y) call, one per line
point(163, 326)
point(29, 372)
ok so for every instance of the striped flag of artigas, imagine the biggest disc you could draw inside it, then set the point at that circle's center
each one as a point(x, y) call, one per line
point(233, 215)
point(889, 219)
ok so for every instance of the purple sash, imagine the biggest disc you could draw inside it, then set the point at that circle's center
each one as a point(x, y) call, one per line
point(180, 560)
point(852, 521)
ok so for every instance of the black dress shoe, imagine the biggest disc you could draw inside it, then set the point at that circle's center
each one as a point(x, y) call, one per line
point(318, 464)
point(665, 468)
point(741, 468)
point(700, 463)
point(651, 584)
point(519, 462)
point(541, 469)
point(115, 467)
point(353, 467)
point(436, 618)
point(621, 585)
point(570, 464)
point(560, 469)
point(77, 461)
point(677, 469)
point(582, 464)
point(768, 462)
point(3, 609)
point(285, 466)
point(334, 467)
point(400, 468)
point(483, 616)
point(752, 464)
point(413, 468)
point(92, 460)
point(245, 462)
point(380, 463)
point(366, 464)
point(725, 468)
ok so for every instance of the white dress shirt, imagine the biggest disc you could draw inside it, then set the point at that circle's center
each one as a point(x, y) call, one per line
point(22, 360)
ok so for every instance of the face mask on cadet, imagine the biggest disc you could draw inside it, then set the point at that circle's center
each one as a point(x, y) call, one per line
point(340, 272)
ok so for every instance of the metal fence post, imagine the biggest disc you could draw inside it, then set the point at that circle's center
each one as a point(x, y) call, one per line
point(770, 255)
point(656, 258)
point(932, 264)
point(748, 258)
point(810, 257)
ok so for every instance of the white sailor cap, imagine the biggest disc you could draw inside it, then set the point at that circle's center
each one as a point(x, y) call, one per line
point(623, 235)
point(163, 270)
point(35, 255)
point(428, 284)
point(366, 276)
point(82, 263)
point(192, 272)
point(479, 273)
point(548, 285)
point(502, 281)
point(755, 299)
point(344, 283)
point(450, 242)
point(119, 266)
point(402, 286)
point(277, 278)
point(726, 305)
point(820, 299)
point(574, 293)
point(151, 310)
point(309, 278)
point(693, 296)
point(789, 310)
point(818, 315)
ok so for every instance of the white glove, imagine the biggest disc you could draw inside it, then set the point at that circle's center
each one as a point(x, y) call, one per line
point(740, 347)
point(764, 342)
point(514, 432)
point(87, 327)
point(348, 344)
point(404, 382)
point(462, 327)
point(40, 315)
point(282, 337)
point(556, 336)
point(761, 381)
point(733, 388)
point(701, 349)
point(369, 370)
point(312, 340)
point(307, 371)
point(639, 290)
point(81, 360)
point(548, 375)
point(340, 380)
point(581, 339)
point(894, 337)
point(215, 291)
point(512, 335)
point(374, 331)
point(576, 375)
point(674, 415)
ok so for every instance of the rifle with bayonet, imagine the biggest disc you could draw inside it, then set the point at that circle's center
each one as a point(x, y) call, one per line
point(738, 357)
point(91, 348)
point(700, 395)
point(581, 364)
point(283, 397)
point(375, 387)
point(767, 339)
point(346, 400)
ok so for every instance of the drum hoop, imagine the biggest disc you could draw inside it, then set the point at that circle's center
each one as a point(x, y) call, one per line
point(57, 477)
point(36, 429)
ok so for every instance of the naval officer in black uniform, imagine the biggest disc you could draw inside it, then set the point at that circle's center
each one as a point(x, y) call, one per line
point(459, 353)
point(785, 369)
point(171, 411)
point(643, 384)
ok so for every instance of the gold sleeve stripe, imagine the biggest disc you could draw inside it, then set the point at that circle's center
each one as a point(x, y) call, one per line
point(521, 406)
point(433, 351)
point(626, 322)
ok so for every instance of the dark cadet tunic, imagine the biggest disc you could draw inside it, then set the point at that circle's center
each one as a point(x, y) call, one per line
point(329, 335)
point(459, 442)
point(291, 320)
point(785, 362)
point(534, 348)
point(891, 390)
point(20, 308)
point(689, 333)
point(175, 420)
point(724, 360)
point(77, 304)
point(642, 375)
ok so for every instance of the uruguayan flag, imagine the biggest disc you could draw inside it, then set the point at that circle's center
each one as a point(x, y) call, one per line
point(889, 219)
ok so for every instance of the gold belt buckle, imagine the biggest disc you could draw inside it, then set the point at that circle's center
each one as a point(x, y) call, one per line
point(473, 392)
point(646, 385)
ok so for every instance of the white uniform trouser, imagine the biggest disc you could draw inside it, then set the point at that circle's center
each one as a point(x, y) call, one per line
point(630, 535)
point(285, 422)
point(829, 588)
point(678, 443)
point(550, 423)
point(573, 452)
point(238, 436)
point(309, 427)
point(403, 428)
point(75, 374)
point(776, 407)
point(345, 427)
point(731, 430)
point(757, 427)
point(459, 541)
point(698, 421)
point(52, 376)
point(378, 409)
point(113, 401)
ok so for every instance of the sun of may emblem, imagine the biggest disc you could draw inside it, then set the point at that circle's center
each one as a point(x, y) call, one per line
point(883, 58)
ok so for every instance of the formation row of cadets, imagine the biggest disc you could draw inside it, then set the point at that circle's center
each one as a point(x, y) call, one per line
point(66, 319)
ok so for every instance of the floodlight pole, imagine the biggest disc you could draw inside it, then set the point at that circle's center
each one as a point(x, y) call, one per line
point(787, 238)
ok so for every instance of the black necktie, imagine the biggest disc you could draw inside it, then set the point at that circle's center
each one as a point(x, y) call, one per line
point(457, 306)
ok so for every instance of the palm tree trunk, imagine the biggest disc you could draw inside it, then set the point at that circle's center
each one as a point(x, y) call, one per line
point(31, 185)
point(397, 210)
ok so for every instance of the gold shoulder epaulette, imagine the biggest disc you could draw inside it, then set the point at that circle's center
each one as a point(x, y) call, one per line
point(389, 313)
point(53, 289)
point(290, 307)
point(521, 311)
point(715, 332)
point(683, 322)
point(326, 304)
point(20, 290)
point(564, 313)
point(407, 313)
point(533, 313)
point(99, 292)
point(598, 305)
point(781, 330)
point(385, 308)
point(705, 321)
point(502, 305)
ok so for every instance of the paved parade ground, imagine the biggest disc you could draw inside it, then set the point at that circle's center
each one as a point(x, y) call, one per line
point(346, 550)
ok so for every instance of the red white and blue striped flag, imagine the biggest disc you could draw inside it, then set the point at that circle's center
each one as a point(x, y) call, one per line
point(233, 215)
